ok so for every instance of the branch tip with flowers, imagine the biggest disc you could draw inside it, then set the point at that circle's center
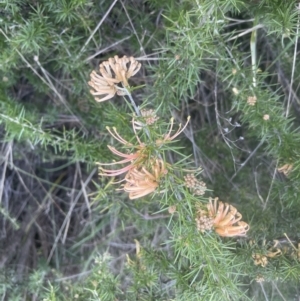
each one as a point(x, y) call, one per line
point(146, 168)
point(144, 171)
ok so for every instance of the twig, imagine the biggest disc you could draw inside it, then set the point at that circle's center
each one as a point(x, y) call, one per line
point(249, 157)
point(133, 28)
point(68, 216)
point(97, 27)
point(293, 67)
point(5, 159)
point(107, 48)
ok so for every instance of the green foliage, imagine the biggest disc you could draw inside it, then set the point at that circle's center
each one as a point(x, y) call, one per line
point(69, 234)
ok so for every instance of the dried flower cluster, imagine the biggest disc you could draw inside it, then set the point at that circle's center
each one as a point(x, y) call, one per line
point(235, 91)
point(113, 72)
point(226, 220)
point(266, 117)
point(285, 169)
point(172, 209)
point(260, 259)
point(259, 278)
point(279, 247)
point(196, 186)
point(251, 100)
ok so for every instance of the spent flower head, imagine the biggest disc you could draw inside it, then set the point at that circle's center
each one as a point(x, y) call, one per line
point(113, 72)
point(260, 259)
point(251, 100)
point(169, 137)
point(285, 169)
point(259, 278)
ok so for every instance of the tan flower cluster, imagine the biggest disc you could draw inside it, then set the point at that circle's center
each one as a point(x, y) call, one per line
point(259, 278)
point(225, 218)
point(113, 72)
point(251, 100)
point(172, 209)
point(197, 187)
point(296, 252)
point(235, 91)
point(272, 252)
point(260, 259)
point(266, 117)
point(285, 169)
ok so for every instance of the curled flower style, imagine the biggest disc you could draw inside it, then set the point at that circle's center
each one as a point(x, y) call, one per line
point(135, 159)
point(167, 137)
point(113, 72)
point(226, 219)
point(142, 181)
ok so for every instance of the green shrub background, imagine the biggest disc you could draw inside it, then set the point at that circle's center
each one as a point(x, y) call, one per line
point(65, 232)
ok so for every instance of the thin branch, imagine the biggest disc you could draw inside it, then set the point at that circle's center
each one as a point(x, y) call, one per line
point(294, 64)
point(97, 27)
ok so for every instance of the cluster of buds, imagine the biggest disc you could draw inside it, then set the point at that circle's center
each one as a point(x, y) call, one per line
point(203, 221)
point(196, 186)
point(113, 72)
point(266, 117)
point(225, 219)
point(148, 118)
point(251, 100)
